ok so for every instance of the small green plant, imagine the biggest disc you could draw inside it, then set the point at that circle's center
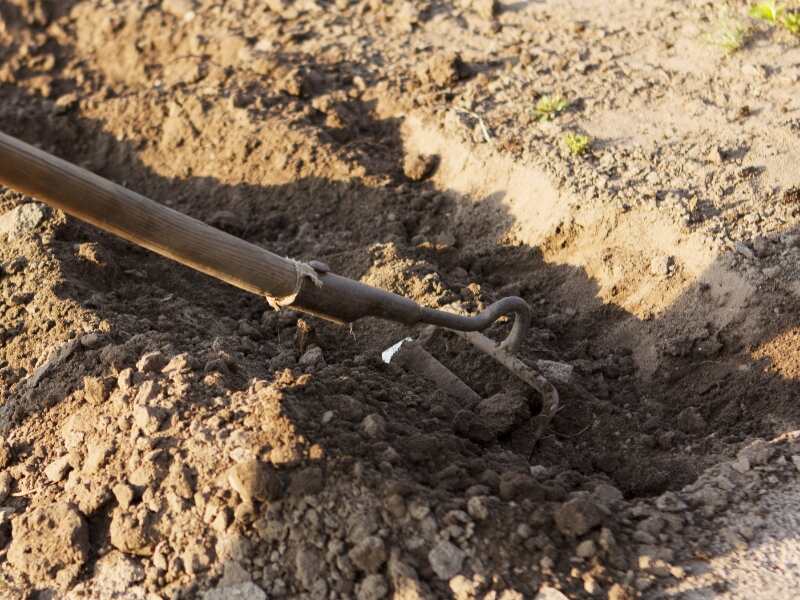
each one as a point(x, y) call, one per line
point(791, 21)
point(730, 35)
point(766, 11)
point(548, 107)
point(577, 143)
point(775, 13)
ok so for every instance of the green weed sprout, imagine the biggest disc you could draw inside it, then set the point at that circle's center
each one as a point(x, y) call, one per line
point(791, 21)
point(548, 107)
point(731, 35)
point(577, 143)
point(775, 13)
point(766, 11)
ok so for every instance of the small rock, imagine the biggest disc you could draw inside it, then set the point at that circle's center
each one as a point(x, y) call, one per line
point(240, 591)
point(744, 250)
point(5, 454)
point(6, 484)
point(478, 508)
point(617, 592)
point(578, 516)
point(549, 593)
point(179, 8)
point(147, 392)
point(21, 220)
point(741, 465)
point(661, 266)
point(373, 587)
point(670, 502)
point(557, 371)
point(196, 559)
point(50, 544)
point(254, 480)
point(446, 560)
point(309, 566)
point(280, 7)
point(6, 514)
point(690, 420)
point(369, 554)
point(795, 461)
point(148, 418)
point(417, 166)
point(591, 586)
point(487, 9)
point(132, 531)
point(607, 494)
point(57, 470)
point(91, 340)
point(405, 581)
point(152, 362)
point(442, 69)
point(586, 549)
point(758, 452)
point(300, 82)
point(96, 457)
point(124, 495)
point(503, 412)
point(96, 390)
point(312, 357)
point(374, 426)
point(463, 588)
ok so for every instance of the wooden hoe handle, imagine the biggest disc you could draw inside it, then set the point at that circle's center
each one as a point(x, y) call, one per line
point(309, 287)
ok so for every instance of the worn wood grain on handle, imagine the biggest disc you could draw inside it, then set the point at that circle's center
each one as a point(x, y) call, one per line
point(142, 221)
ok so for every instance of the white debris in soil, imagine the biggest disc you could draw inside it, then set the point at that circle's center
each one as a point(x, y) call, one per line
point(22, 220)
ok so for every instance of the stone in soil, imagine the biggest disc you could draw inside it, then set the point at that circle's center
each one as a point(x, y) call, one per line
point(152, 362)
point(50, 544)
point(446, 560)
point(6, 484)
point(5, 454)
point(405, 580)
point(148, 418)
point(369, 554)
point(417, 166)
point(57, 470)
point(373, 587)
point(443, 69)
point(132, 532)
point(578, 516)
point(485, 8)
point(255, 480)
point(21, 220)
point(241, 591)
point(503, 412)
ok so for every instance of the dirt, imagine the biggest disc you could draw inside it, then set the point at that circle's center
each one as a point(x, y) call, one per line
point(167, 436)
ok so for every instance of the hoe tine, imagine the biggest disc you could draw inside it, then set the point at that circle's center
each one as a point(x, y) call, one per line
point(412, 356)
point(529, 375)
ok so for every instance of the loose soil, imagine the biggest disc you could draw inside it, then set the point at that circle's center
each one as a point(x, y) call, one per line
point(167, 436)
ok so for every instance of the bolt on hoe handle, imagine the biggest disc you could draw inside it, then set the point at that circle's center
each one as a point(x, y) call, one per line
point(306, 287)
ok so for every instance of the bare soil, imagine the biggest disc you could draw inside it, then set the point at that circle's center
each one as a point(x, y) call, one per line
point(167, 436)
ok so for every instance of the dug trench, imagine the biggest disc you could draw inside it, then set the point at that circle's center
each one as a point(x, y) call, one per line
point(669, 371)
